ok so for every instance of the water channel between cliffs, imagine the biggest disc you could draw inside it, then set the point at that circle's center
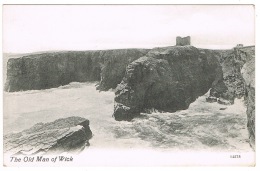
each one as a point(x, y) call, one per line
point(202, 126)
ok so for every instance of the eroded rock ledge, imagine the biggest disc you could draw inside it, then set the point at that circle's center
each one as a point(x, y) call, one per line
point(63, 135)
point(166, 79)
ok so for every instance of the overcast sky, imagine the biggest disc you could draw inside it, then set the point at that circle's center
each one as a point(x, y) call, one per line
point(32, 28)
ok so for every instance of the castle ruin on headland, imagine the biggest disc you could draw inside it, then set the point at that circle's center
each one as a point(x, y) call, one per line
point(240, 45)
point(182, 41)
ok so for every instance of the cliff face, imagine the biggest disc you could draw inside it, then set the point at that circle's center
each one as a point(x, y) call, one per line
point(232, 62)
point(166, 79)
point(48, 70)
point(114, 66)
point(238, 67)
point(248, 74)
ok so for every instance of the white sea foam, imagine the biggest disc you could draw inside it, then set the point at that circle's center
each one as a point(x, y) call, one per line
point(202, 126)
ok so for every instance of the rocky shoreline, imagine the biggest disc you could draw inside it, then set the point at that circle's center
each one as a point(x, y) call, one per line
point(165, 79)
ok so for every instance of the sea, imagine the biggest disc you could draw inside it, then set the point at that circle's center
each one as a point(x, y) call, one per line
point(206, 134)
point(203, 126)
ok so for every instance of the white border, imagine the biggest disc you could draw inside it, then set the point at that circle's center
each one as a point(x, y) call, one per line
point(134, 2)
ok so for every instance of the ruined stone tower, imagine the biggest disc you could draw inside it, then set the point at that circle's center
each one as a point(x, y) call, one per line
point(182, 41)
point(239, 45)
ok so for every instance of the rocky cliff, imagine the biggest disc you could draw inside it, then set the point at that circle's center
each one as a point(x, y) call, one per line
point(48, 70)
point(238, 65)
point(114, 66)
point(248, 74)
point(62, 135)
point(166, 79)
point(232, 62)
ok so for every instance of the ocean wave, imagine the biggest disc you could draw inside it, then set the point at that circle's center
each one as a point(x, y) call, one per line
point(202, 126)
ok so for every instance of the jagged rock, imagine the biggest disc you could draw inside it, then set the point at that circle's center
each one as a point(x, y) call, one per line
point(211, 99)
point(122, 112)
point(62, 135)
point(222, 108)
point(232, 61)
point(49, 70)
point(166, 79)
point(223, 101)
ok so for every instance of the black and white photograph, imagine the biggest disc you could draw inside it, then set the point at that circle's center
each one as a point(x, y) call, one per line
point(128, 85)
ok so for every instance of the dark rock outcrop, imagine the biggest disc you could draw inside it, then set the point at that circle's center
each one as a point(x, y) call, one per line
point(49, 70)
point(211, 99)
point(166, 79)
point(232, 62)
point(114, 66)
point(63, 135)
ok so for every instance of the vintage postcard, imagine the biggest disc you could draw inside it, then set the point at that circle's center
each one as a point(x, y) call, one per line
point(128, 85)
